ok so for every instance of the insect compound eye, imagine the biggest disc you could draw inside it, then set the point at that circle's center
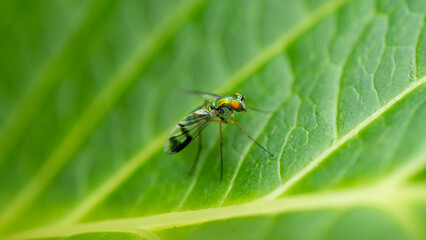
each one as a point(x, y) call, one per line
point(236, 105)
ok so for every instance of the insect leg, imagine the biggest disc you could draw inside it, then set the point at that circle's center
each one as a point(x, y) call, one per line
point(196, 156)
point(221, 155)
point(235, 121)
point(221, 152)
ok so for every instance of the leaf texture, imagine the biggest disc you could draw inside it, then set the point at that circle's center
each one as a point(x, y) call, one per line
point(87, 103)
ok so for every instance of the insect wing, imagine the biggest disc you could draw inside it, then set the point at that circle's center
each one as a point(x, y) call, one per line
point(188, 129)
point(203, 94)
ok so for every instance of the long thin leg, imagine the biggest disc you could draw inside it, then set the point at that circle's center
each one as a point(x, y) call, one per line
point(235, 121)
point(197, 156)
point(221, 155)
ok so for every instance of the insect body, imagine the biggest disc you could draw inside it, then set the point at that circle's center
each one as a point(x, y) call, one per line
point(220, 109)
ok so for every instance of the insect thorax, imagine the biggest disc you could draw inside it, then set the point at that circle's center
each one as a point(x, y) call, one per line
point(223, 103)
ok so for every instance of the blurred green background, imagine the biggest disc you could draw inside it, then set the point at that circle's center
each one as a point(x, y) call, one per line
point(90, 89)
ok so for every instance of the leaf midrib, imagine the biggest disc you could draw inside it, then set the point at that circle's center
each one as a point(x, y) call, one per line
point(375, 196)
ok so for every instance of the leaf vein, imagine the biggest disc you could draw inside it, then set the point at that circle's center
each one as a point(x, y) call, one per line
point(33, 98)
point(327, 152)
point(97, 109)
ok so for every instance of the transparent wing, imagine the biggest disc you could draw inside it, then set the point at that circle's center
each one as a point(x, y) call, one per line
point(203, 94)
point(188, 129)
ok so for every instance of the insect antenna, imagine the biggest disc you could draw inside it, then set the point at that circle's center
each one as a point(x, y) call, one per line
point(257, 109)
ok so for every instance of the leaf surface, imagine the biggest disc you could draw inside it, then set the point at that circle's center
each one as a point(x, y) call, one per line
point(97, 86)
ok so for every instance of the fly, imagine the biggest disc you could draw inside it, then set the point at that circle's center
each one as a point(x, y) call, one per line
point(219, 110)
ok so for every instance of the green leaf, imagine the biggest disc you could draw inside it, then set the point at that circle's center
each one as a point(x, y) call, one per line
point(91, 89)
